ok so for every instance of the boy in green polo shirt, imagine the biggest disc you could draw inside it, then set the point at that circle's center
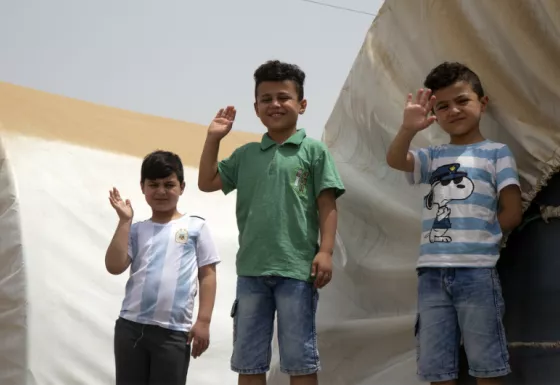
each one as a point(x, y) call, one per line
point(287, 186)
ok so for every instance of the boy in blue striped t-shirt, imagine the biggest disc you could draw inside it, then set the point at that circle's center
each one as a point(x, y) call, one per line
point(474, 198)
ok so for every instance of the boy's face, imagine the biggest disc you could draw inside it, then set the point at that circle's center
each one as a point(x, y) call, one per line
point(458, 108)
point(277, 105)
point(163, 194)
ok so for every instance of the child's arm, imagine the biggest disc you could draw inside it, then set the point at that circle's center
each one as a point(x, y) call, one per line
point(209, 179)
point(200, 332)
point(327, 187)
point(117, 257)
point(398, 155)
point(510, 211)
point(321, 269)
point(415, 119)
point(207, 257)
point(328, 219)
point(207, 282)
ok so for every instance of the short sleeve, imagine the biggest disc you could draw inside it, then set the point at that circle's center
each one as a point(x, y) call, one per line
point(326, 176)
point(206, 250)
point(422, 166)
point(227, 168)
point(133, 241)
point(506, 169)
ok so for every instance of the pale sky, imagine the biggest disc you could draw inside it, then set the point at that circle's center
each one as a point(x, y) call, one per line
point(180, 59)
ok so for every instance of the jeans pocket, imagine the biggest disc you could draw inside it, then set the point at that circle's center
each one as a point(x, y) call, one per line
point(417, 336)
point(233, 314)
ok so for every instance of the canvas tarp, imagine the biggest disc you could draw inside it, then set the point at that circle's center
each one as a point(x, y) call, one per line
point(367, 314)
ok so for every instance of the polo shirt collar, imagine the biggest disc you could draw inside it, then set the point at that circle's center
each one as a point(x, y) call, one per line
point(296, 139)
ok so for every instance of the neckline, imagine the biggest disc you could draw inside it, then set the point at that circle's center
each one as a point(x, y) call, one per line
point(476, 144)
point(167, 223)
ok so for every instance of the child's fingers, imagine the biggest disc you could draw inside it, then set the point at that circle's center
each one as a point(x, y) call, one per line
point(195, 346)
point(408, 99)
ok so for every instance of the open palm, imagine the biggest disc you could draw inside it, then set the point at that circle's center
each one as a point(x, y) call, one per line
point(223, 122)
point(415, 117)
point(123, 208)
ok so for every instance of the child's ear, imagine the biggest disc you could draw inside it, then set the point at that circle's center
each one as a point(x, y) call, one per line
point(303, 106)
point(483, 103)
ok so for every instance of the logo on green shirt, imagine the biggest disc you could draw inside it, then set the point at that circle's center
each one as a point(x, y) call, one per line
point(300, 179)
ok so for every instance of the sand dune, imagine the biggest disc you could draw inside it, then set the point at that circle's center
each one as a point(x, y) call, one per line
point(35, 113)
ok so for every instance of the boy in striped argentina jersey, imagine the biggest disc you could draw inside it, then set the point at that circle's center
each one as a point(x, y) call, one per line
point(167, 255)
point(474, 198)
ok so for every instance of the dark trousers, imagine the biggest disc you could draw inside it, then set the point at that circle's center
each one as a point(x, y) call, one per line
point(150, 355)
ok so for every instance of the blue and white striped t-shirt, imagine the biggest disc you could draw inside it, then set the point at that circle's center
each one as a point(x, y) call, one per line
point(163, 280)
point(460, 225)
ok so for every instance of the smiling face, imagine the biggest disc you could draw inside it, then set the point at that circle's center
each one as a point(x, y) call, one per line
point(163, 194)
point(278, 106)
point(458, 109)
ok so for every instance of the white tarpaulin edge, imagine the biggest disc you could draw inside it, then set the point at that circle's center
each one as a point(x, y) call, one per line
point(514, 47)
point(13, 299)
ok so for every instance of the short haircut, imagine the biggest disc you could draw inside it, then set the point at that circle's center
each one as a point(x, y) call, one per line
point(161, 164)
point(277, 71)
point(449, 73)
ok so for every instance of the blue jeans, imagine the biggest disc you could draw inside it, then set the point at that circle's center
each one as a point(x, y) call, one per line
point(455, 303)
point(257, 300)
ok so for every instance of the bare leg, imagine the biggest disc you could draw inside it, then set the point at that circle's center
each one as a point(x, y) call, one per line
point(310, 379)
point(252, 379)
point(489, 381)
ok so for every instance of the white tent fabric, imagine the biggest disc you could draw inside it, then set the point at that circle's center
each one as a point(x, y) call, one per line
point(367, 314)
point(58, 305)
point(72, 302)
point(13, 296)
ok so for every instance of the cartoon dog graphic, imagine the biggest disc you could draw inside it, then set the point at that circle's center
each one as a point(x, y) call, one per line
point(448, 185)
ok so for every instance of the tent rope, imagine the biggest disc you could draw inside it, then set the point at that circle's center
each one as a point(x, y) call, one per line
point(541, 345)
point(548, 212)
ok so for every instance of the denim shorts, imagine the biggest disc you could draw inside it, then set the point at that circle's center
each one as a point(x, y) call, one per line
point(257, 301)
point(455, 303)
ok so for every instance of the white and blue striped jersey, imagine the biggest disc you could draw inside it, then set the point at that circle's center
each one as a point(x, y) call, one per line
point(163, 281)
point(460, 226)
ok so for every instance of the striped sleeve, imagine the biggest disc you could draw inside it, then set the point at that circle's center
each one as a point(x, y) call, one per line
point(422, 166)
point(506, 169)
point(133, 241)
point(206, 250)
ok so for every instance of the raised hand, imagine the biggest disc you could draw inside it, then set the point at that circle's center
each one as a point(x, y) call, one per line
point(416, 113)
point(222, 123)
point(123, 208)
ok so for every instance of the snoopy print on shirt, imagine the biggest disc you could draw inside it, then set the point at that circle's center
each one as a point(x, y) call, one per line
point(460, 227)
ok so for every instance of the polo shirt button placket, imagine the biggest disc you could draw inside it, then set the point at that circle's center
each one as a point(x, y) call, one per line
point(272, 166)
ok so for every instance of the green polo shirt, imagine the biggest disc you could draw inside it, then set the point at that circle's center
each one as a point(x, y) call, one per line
point(277, 215)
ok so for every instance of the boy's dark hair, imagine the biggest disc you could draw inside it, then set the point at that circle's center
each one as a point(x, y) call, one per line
point(277, 71)
point(161, 164)
point(449, 73)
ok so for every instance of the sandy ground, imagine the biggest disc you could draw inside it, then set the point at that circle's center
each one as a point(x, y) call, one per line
point(48, 116)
